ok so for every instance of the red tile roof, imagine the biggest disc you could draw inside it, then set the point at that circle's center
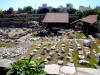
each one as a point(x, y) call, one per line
point(89, 19)
point(56, 18)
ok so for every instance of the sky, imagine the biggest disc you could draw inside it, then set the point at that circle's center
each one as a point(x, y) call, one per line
point(5, 4)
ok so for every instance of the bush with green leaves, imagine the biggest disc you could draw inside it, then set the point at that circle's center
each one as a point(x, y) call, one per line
point(72, 11)
point(1, 12)
point(26, 67)
point(80, 24)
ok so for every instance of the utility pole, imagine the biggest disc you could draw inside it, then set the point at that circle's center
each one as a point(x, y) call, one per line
point(35, 9)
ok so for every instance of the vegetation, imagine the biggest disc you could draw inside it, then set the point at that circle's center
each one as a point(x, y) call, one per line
point(99, 14)
point(42, 10)
point(80, 24)
point(20, 10)
point(90, 12)
point(26, 67)
point(1, 11)
point(72, 11)
point(27, 9)
point(55, 10)
point(79, 35)
point(7, 44)
point(78, 13)
point(9, 11)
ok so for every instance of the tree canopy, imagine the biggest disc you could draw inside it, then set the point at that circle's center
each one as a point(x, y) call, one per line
point(78, 13)
point(27, 9)
point(90, 12)
point(55, 10)
point(1, 11)
point(20, 10)
point(99, 14)
point(10, 10)
point(71, 10)
point(42, 10)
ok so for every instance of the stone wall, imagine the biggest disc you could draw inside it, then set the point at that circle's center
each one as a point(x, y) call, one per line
point(21, 21)
point(98, 26)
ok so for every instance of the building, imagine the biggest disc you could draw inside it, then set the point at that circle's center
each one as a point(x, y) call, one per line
point(83, 8)
point(98, 7)
point(45, 6)
point(57, 20)
point(91, 19)
point(65, 9)
point(62, 9)
point(88, 24)
point(68, 6)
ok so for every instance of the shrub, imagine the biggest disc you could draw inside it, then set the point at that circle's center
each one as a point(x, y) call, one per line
point(1, 12)
point(26, 67)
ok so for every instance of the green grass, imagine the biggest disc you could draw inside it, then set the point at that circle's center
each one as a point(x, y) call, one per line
point(66, 50)
point(79, 35)
point(3, 44)
point(91, 59)
point(75, 55)
point(75, 58)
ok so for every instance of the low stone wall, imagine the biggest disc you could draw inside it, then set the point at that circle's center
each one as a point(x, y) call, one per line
point(98, 26)
point(20, 21)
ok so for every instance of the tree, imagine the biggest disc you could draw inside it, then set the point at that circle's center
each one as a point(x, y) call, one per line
point(26, 67)
point(39, 11)
point(60, 9)
point(99, 14)
point(1, 11)
point(42, 10)
point(10, 10)
point(71, 10)
point(20, 10)
point(78, 13)
point(27, 9)
point(55, 10)
point(5, 12)
point(45, 10)
point(90, 12)
point(80, 24)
